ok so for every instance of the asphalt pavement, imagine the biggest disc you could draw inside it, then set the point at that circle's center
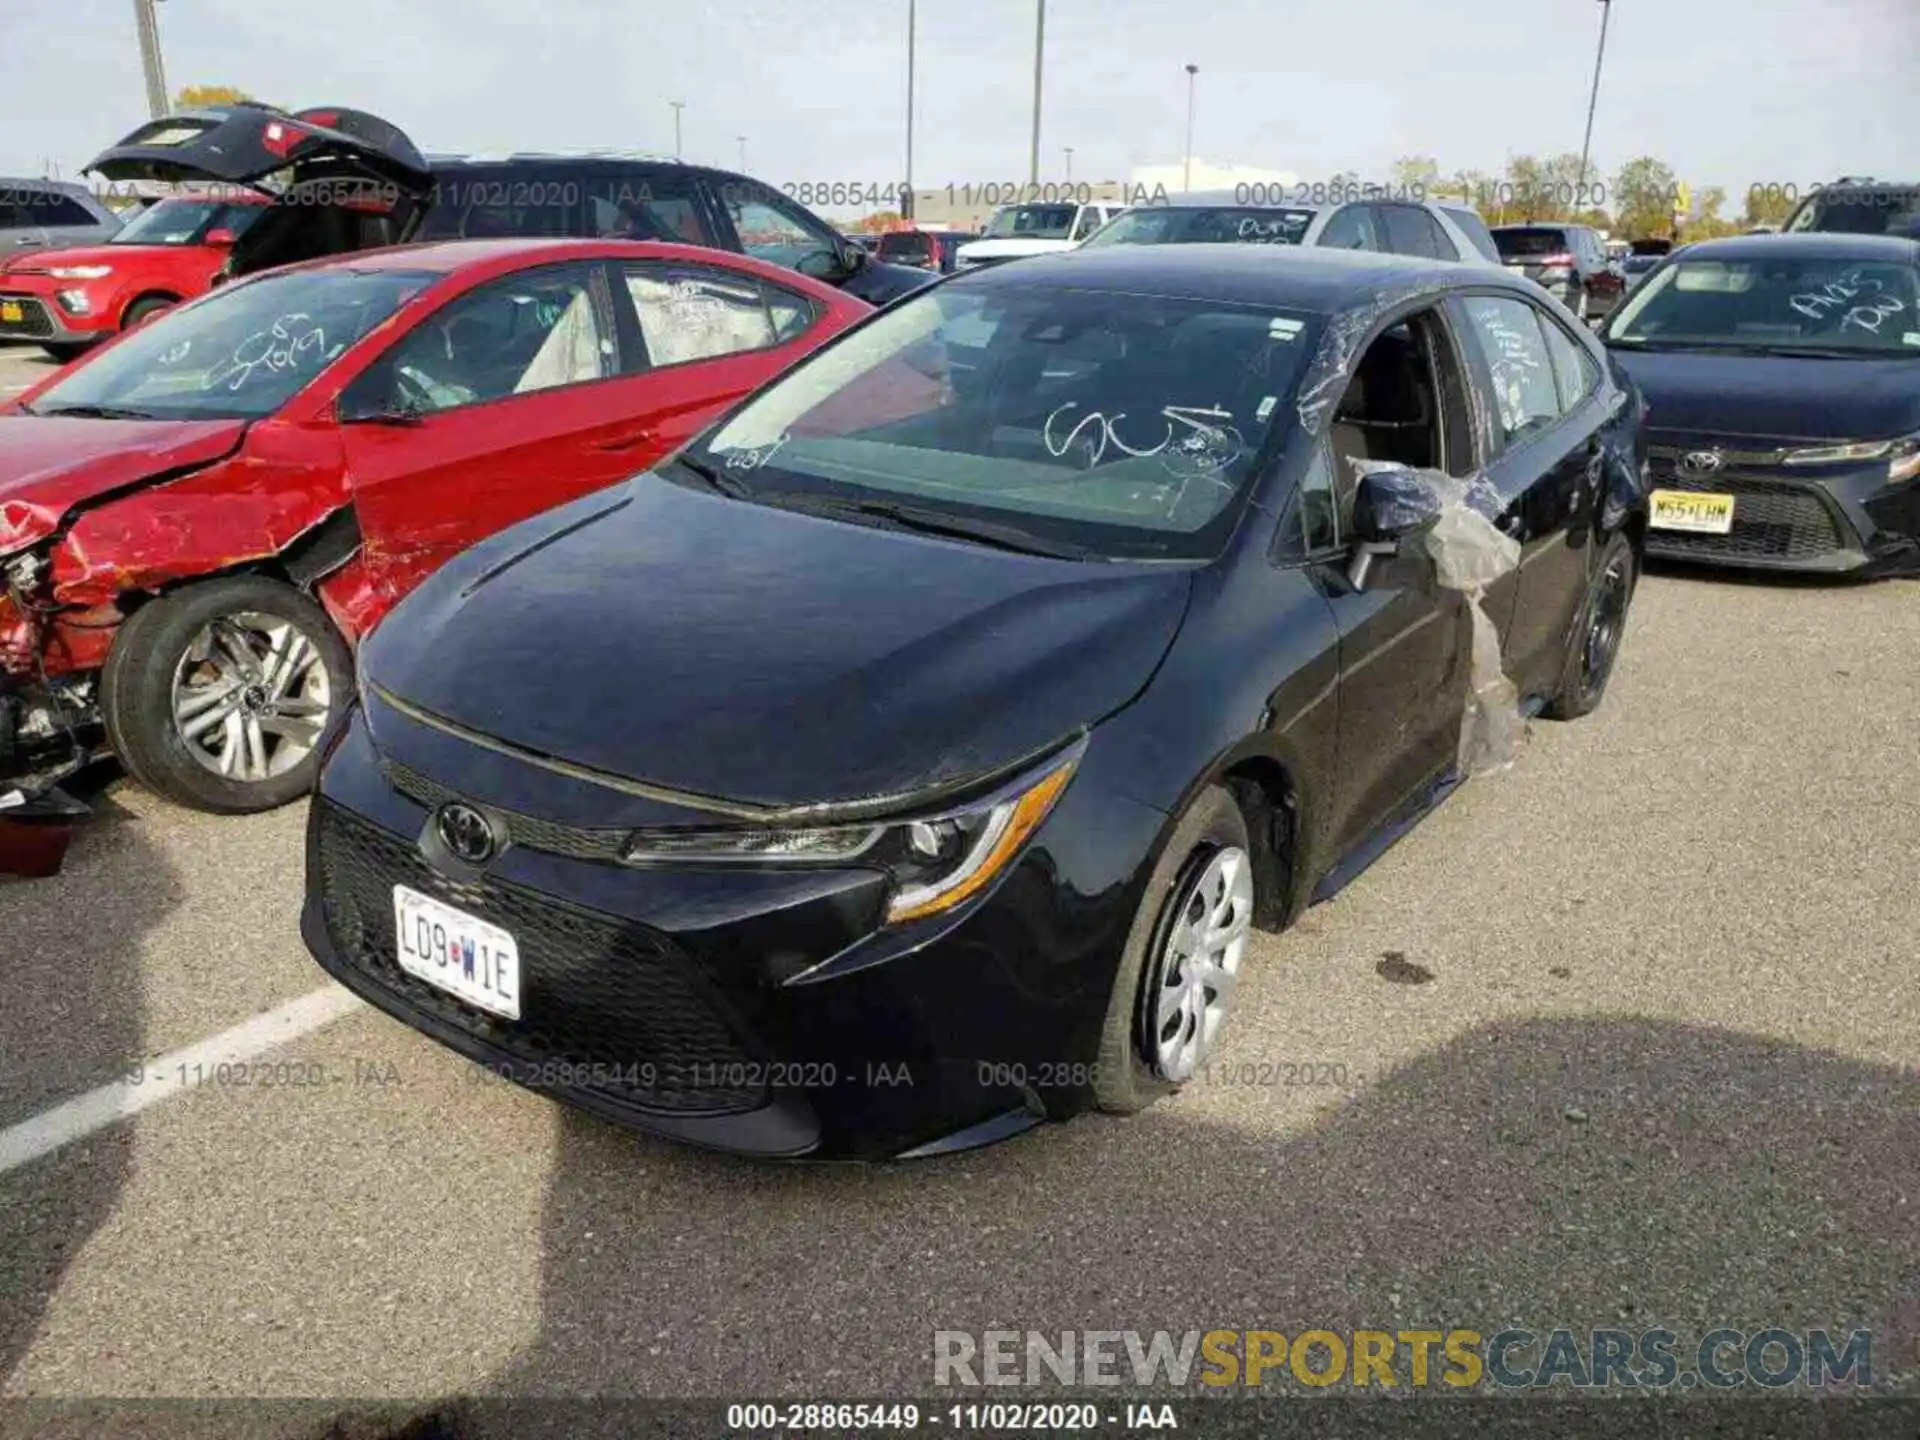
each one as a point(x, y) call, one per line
point(1627, 1035)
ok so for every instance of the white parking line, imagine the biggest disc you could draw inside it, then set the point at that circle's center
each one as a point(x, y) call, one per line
point(168, 1075)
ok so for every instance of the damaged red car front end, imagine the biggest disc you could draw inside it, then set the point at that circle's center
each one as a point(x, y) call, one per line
point(199, 520)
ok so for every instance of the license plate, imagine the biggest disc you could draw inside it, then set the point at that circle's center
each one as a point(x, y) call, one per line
point(12, 311)
point(1687, 510)
point(459, 953)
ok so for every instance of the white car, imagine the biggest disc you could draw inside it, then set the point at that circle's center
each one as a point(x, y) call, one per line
point(1434, 229)
point(1017, 231)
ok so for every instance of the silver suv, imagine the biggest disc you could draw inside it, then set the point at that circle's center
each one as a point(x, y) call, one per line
point(50, 215)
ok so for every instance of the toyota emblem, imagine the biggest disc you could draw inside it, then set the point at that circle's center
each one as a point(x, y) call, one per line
point(1701, 462)
point(465, 832)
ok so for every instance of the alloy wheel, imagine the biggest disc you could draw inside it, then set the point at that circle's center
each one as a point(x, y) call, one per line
point(251, 696)
point(1196, 968)
point(1606, 621)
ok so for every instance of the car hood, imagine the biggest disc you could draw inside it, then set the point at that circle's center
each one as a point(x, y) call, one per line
point(1776, 396)
point(1009, 249)
point(35, 263)
point(49, 465)
point(762, 656)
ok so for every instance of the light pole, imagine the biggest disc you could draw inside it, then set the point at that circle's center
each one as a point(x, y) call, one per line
point(1192, 71)
point(678, 106)
point(1069, 150)
point(1039, 50)
point(150, 62)
point(1593, 99)
point(906, 201)
point(743, 151)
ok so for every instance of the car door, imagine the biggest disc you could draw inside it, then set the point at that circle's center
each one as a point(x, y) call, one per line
point(1405, 642)
point(1543, 462)
point(498, 404)
point(695, 338)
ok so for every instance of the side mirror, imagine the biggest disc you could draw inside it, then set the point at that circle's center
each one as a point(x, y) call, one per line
point(828, 265)
point(1392, 506)
point(220, 237)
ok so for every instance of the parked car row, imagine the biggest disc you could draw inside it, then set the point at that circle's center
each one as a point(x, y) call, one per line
point(716, 690)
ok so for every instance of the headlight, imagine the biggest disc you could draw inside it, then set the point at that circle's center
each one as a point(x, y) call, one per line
point(937, 860)
point(1902, 456)
point(75, 302)
point(80, 272)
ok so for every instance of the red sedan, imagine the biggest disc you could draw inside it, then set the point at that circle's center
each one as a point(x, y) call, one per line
point(70, 299)
point(198, 519)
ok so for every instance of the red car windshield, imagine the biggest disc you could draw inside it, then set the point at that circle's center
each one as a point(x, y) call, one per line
point(241, 353)
point(185, 222)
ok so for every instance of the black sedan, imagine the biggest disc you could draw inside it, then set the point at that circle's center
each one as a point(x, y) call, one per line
point(1782, 377)
point(911, 758)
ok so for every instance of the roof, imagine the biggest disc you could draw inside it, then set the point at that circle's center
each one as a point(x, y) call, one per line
point(1308, 278)
point(1807, 245)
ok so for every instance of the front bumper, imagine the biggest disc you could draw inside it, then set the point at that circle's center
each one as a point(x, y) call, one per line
point(756, 1010)
point(44, 321)
point(1847, 521)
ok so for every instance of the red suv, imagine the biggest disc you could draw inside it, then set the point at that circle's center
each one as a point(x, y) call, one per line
point(70, 299)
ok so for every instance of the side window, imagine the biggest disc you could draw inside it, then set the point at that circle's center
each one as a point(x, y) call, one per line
point(1351, 228)
point(1314, 524)
point(772, 231)
point(696, 312)
point(1475, 229)
point(1088, 222)
point(1409, 231)
point(57, 210)
point(645, 206)
point(532, 331)
point(1573, 367)
point(1443, 246)
point(1526, 397)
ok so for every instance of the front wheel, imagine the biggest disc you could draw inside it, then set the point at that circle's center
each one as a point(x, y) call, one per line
point(1180, 970)
point(1596, 638)
point(66, 352)
point(217, 696)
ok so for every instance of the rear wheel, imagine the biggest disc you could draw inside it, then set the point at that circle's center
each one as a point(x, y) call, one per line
point(1596, 639)
point(1180, 970)
point(217, 696)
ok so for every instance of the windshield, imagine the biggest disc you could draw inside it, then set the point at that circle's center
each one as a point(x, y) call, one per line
point(185, 222)
point(1121, 429)
point(1209, 225)
point(1865, 212)
point(1031, 222)
point(1530, 244)
point(1781, 302)
point(240, 353)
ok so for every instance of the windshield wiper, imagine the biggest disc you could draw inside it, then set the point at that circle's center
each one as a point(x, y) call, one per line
point(99, 412)
point(1835, 352)
point(935, 522)
point(714, 478)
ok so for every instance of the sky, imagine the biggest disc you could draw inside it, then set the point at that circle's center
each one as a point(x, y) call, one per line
point(1758, 91)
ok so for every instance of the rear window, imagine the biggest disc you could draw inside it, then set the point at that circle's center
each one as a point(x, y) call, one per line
point(1475, 229)
point(1530, 244)
point(905, 245)
point(1886, 210)
point(1209, 225)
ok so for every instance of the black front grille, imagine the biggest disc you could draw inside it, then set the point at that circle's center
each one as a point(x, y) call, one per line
point(617, 1003)
point(34, 322)
point(571, 841)
point(1772, 520)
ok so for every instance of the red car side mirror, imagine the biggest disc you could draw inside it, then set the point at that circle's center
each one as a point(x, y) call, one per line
point(220, 236)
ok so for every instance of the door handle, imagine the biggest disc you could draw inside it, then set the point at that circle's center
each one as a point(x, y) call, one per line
point(633, 439)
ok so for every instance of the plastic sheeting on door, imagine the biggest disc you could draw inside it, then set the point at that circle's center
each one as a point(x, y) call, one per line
point(1469, 554)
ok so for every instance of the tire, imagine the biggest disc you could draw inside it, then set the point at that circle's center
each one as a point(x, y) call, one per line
point(1127, 1078)
point(1591, 652)
point(66, 353)
point(254, 749)
point(145, 308)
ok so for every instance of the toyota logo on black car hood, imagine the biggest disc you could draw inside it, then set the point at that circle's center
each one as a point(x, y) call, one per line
point(1701, 462)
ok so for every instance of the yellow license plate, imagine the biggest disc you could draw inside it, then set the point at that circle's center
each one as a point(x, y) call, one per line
point(11, 310)
point(1689, 510)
